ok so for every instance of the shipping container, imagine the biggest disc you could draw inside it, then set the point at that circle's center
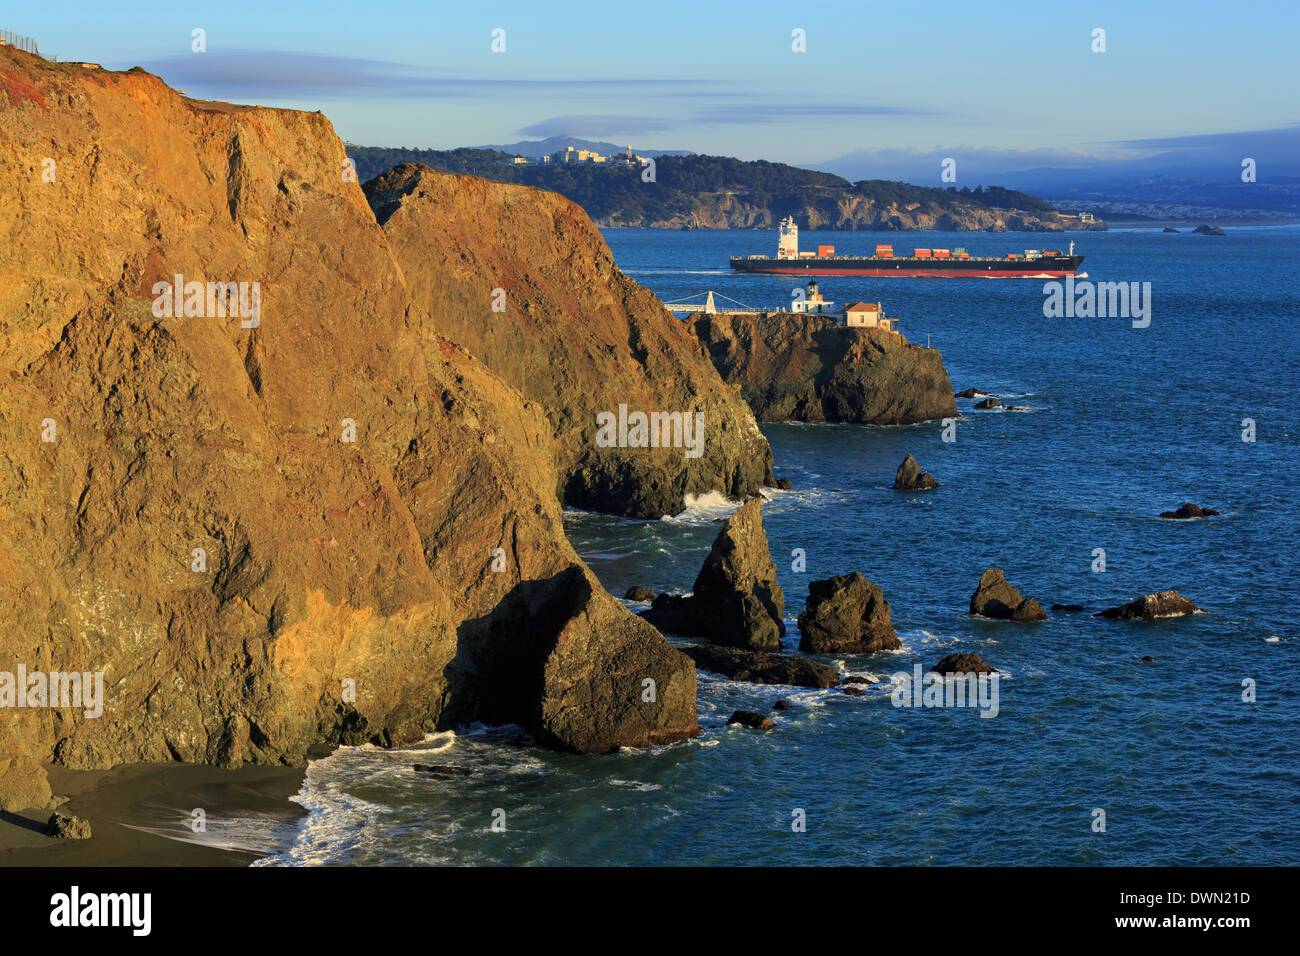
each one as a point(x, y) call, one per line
point(884, 250)
point(823, 251)
point(941, 254)
point(921, 253)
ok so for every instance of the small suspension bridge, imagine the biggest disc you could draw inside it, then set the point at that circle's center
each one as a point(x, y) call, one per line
point(709, 305)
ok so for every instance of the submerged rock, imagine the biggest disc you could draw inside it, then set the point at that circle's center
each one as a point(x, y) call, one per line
point(910, 477)
point(747, 718)
point(963, 664)
point(736, 600)
point(1150, 606)
point(64, 827)
point(782, 704)
point(811, 368)
point(1068, 608)
point(1207, 230)
point(846, 614)
point(970, 393)
point(1169, 229)
point(639, 593)
point(996, 598)
point(854, 691)
point(1189, 510)
point(762, 668)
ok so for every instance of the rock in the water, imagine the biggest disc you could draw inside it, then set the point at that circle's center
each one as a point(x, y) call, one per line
point(736, 599)
point(639, 593)
point(1148, 659)
point(963, 664)
point(785, 484)
point(1169, 229)
point(444, 771)
point(812, 368)
point(761, 668)
point(854, 691)
point(1029, 610)
point(1189, 510)
point(971, 393)
point(846, 614)
point(1068, 608)
point(68, 828)
point(747, 718)
point(996, 598)
point(857, 679)
point(782, 704)
point(1207, 230)
point(1160, 604)
point(910, 477)
point(988, 403)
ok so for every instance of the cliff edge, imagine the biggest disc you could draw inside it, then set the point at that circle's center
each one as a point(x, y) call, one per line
point(571, 332)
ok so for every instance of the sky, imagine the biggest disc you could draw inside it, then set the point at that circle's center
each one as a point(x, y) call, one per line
point(879, 85)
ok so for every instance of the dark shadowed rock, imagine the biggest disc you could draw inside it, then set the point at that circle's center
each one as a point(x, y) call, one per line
point(639, 593)
point(1189, 510)
point(782, 704)
point(1068, 608)
point(1169, 229)
point(785, 484)
point(1161, 604)
point(1205, 230)
point(996, 598)
point(67, 828)
point(846, 614)
point(910, 477)
point(1029, 610)
point(761, 668)
point(747, 718)
point(854, 691)
point(988, 403)
point(856, 679)
point(963, 664)
point(444, 771)
point(736, 599)
point(970, 393)
point(1148, 659)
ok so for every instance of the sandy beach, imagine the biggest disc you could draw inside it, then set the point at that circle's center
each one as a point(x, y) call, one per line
point(141, 815)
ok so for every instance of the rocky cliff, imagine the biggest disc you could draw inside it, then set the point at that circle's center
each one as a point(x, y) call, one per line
point(573, 333)
point(810, 368)
point(323, 521)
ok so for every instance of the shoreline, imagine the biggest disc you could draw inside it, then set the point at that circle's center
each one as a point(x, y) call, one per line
point(140, 815)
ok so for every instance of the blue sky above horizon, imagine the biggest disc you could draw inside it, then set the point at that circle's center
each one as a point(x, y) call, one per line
point(1010, 82)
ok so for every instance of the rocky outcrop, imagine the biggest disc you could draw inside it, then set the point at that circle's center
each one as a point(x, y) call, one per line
point(63, 827)
point(1188, 510)
point(639, 593)
point(963, 664)
point(758, 667)
point(810, 368)
point(23, 784)
point(970, 393)
point(1151, 606)
point(996, 598)
point(1206, 230)
point(736, 600)
point(910, 477)
point(747, 718)
point(330, 524)
point(526, 283)
point(988, 404)
point(846, 614)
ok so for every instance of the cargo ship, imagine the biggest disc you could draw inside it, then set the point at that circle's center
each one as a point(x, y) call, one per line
point(922, 263)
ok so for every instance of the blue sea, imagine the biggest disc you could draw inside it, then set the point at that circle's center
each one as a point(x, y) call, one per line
point(1193, 758)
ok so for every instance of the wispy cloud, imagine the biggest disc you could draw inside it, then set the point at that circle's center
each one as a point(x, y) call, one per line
point(298, 75)
point(595, 126)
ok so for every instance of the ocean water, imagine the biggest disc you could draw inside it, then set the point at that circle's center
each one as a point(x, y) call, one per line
point(1109, 426)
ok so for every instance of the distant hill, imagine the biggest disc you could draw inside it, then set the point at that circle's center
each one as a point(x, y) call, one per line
point(537, 148)
point(719, 192)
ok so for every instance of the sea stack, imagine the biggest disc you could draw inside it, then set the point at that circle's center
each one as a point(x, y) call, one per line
point(910, 477)
point(996, 598)
point(846, 614)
